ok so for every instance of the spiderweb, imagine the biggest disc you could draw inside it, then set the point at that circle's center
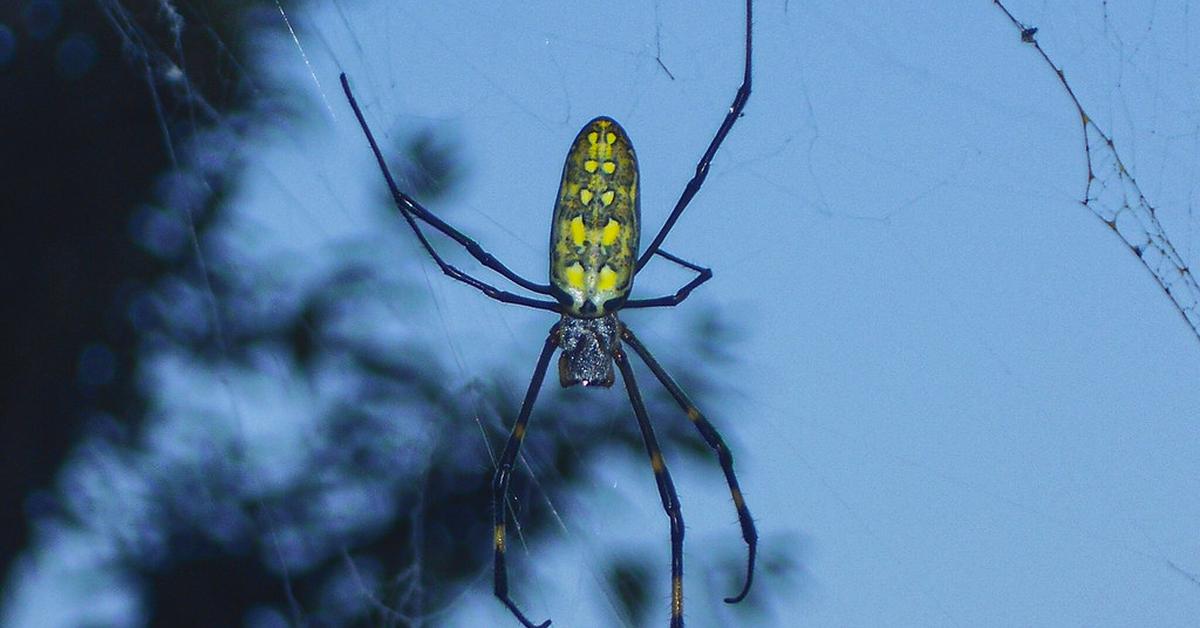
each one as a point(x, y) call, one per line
point(930, 410)
point(1112, 194)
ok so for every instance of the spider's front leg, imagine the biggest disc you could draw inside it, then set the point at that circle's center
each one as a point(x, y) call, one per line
point(713, 438)
point(666, 488)
point(504, 473)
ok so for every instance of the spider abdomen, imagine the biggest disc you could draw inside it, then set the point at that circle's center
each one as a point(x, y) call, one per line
point(596, 224)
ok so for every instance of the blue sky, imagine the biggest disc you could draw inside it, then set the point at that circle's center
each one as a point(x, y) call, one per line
point(956, 388)
point(956, 392)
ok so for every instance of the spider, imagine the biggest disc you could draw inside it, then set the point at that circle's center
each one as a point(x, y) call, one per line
point(593, 260)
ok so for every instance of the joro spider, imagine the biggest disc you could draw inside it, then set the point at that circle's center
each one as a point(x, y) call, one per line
point(593, 260)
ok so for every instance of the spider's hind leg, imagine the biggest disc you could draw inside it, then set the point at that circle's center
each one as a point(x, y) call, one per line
point(703, 274)
point(740, 98)
point(410, 208)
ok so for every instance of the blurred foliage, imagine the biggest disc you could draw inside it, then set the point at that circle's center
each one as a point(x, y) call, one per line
point(93, 96)
point(370, 505)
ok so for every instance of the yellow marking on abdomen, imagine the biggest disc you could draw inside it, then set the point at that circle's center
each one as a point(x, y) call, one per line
point(609, 167)
point(608, 279)
point(656, 462)
point(498, 537)
point(575, 275)
point(586, 195)
point(611, 230)
point(607, 197)
point(578, 233)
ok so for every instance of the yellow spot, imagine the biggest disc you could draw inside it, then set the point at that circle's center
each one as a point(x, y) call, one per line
point(591, 165)
point(608, 281)
point(610, 138)
point(676, 596)
point(613, 228)
point(519, 431)
point(586, 195)
point(593, 137)
point(498, 537)
point(693, 414)
point(656, 462)
point(607, 197)
point(737, 499)
point(575, 275)
point(609, 167)
point(578, 233)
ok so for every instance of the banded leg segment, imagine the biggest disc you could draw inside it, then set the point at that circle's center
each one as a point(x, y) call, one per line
point(504, 473)
point(666, 488)
point(714, 440)
point(409, 207)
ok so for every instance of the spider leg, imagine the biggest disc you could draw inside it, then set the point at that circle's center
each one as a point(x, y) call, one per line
point(486, 288)
point(408, 205)
point(693, 186)
point(666, 488)
point(504, 472)
point(714, 440)
point(702, 275)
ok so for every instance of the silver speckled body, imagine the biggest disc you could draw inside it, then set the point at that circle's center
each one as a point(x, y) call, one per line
point(588, 346)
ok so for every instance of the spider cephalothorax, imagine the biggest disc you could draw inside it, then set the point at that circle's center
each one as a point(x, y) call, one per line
point(594, 258)
point(588, 346)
